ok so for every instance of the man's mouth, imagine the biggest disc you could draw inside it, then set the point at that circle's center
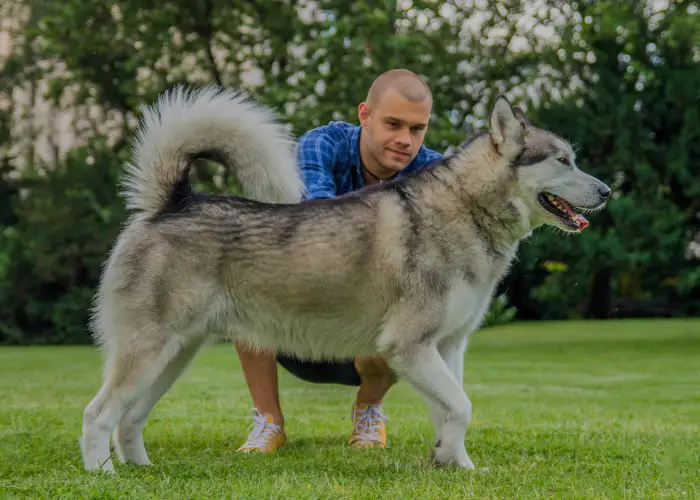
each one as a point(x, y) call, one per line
point(399, 153)
point(562, 209)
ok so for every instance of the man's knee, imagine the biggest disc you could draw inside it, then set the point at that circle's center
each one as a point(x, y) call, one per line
point(374, 368)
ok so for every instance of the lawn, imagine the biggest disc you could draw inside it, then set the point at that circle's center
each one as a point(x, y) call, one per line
point(561, 410)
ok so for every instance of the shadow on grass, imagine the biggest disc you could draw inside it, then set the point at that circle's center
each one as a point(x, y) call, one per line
point(302, 458)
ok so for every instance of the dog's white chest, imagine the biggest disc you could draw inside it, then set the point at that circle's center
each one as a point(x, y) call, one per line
point(465, 304)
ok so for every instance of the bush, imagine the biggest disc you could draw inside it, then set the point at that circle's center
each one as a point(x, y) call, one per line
point(500, 312)
point(51, 257)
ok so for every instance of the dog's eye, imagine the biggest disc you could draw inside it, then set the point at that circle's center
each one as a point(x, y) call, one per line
point(564, 161)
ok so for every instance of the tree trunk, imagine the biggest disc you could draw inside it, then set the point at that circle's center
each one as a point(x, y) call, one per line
point(600, 295)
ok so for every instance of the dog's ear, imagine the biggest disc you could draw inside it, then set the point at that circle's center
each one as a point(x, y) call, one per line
point(506, 128)
point(520, 114)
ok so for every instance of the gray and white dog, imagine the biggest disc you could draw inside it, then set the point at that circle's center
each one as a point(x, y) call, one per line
point(404, 269)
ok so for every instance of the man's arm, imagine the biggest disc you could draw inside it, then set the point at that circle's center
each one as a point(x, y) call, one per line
point(425, 157)
point(431, 156)
point(317, 152)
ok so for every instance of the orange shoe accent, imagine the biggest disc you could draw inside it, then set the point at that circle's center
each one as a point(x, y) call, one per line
point(368, 427)
point(264, 437)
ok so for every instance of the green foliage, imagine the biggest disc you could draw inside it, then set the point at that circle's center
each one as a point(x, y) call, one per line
point(619, 79)
point(337, 58)
point(500, 312)
point(51, 258)
point(636, 125)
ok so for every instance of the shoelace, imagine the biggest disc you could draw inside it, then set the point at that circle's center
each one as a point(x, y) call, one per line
point(261, 431)
point(367, 424)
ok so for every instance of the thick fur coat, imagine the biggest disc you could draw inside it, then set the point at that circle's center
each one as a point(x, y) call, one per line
point(404, 269)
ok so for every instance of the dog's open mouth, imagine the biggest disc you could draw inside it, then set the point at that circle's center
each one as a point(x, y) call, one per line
point(562, 209)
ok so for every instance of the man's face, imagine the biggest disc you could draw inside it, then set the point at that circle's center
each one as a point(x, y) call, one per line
point(394, 129)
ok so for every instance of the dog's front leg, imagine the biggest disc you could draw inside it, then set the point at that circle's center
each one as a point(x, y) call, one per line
point(452, 350)
point(428, 373)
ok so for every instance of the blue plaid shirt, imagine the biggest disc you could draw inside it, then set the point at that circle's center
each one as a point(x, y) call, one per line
point(329, 159)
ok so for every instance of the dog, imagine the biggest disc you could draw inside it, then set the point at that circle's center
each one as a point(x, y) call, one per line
point(410, 278)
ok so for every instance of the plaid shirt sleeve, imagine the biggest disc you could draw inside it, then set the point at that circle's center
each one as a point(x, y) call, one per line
point(317, 152)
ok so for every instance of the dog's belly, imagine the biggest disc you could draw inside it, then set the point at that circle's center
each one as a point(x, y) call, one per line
point(321, 329)
point(331, 333)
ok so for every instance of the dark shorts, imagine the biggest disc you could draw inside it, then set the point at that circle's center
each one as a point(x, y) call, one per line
point(336, 372)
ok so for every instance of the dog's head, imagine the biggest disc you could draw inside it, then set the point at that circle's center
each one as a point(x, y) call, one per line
point(548, 181)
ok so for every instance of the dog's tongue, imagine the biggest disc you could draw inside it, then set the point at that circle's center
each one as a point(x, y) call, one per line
point(580, 219)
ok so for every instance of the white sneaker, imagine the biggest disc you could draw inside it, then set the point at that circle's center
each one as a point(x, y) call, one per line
point(264, 436)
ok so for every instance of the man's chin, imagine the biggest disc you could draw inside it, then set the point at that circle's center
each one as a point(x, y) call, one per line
point(397, 162)
point(395, 168)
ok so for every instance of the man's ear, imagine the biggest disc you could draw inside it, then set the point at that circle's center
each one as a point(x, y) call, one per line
point(363, 113)
point(506, 130)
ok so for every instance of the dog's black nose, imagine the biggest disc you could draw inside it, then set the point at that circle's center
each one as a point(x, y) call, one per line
point(604, 190)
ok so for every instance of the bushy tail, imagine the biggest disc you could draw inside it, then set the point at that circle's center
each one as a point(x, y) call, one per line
point(216, 123)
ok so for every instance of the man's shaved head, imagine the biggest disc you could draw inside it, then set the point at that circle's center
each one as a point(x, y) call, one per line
point(409, 85)
point(394, 120)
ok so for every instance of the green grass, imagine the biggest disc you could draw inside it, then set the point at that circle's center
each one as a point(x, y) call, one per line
point(561, 410)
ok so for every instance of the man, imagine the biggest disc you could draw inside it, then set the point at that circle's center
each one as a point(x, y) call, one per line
point(336, 159)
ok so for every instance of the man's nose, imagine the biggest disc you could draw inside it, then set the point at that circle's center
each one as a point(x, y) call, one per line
point(405, 138)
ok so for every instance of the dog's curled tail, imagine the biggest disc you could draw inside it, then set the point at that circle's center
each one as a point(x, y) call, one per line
point(209, 122)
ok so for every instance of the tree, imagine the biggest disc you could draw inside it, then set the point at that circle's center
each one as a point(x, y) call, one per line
point(620, 80)
point(636, 124)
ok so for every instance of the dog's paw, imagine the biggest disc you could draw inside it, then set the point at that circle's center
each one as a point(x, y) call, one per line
point(93, 462)
point(135, 460)
point(96, 466)
point(442, 456)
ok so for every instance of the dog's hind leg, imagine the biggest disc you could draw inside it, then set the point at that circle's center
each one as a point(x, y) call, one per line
point(128, 436)
point(133, 363)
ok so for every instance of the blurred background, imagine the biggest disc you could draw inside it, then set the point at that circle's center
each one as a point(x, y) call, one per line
point(620, 79)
